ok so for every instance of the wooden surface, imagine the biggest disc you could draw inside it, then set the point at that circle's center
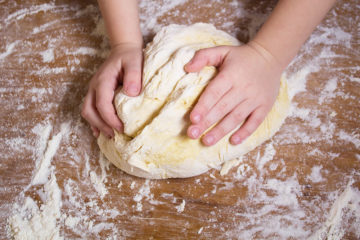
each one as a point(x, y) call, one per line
point(276, 191)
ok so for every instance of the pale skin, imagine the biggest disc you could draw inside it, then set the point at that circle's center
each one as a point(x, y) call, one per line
point(244, 89)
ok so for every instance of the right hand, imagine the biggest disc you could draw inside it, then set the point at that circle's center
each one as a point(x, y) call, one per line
point(123, 65)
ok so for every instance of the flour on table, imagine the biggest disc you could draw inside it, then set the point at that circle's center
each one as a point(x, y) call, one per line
point(47, 55)
point(345, 210)
point(30, 221)
point(180, 208)
point(85, 215)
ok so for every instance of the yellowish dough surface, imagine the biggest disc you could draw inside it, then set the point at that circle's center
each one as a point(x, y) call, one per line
point(154, 143)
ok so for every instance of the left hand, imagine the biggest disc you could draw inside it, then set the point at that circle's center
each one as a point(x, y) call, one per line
point(244, 90)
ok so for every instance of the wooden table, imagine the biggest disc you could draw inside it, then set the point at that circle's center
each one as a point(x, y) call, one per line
point(303, 182)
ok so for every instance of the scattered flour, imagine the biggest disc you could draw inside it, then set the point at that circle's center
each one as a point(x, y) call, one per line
point(352, 138)
point(47, 55)
point(30, 221)
point(276, 210)
point(98, 181)
point(71, 222)
point(149, 17)
point(144, 192)
point(98, 184)
point(229, 165)
point(9, 49)
point(315, 176)
point(181, 207)
point(42, 169)
point(344, 214)
point(268, 156)
point(22, 13)
point(47, 71)
point(328, 91)
point(33, 222)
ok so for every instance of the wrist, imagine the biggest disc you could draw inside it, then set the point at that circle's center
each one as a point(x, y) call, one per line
point(126, 37)
point(269, 57)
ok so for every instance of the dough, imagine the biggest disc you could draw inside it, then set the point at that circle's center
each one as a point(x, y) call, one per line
point(154, 143)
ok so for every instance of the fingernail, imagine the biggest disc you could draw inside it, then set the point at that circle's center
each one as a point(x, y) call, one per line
point(132, 89)
point(195, 132)
point(209, 139)
point(196, 118)
point(188, 65)
point(236, 140)
point(95, 134)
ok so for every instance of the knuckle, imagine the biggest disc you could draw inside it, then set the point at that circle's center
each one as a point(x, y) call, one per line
point(220, 131)
point(98, 84)
point(84, 113)
point(238, 116)
point(201, 108)
point(207, 123)
point(106, 129)
point(221, 76)
point(100, 105)
point(222, 108)
point(103, 127)
point(257, 121)
point(133, 73)
point(214, 93)
point(200, 53)
point(100, 78)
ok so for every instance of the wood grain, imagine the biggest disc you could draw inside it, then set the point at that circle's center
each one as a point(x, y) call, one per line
point(240, 205)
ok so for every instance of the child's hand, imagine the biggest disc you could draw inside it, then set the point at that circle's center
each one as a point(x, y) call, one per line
point(244, 89)
point(123, 65)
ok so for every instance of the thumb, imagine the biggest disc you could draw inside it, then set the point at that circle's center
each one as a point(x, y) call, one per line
point(207, 57)
point(132, 78)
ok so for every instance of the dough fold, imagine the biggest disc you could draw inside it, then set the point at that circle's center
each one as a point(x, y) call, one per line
point(154, 143)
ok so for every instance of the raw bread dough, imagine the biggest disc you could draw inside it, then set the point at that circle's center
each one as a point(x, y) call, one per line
point(154, 143)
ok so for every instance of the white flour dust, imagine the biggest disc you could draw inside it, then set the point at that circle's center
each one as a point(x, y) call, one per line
point(47, 55)
point(344, 215)
point(29, 220)
point(33, 222)
point(181, 207)
point(72, 197)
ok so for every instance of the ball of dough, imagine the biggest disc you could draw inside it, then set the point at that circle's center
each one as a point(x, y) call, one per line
point(154, 143)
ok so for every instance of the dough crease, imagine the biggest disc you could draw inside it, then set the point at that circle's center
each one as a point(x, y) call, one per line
point(154, 143)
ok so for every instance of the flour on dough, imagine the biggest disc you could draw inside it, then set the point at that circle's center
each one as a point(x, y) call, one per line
point(154, 143)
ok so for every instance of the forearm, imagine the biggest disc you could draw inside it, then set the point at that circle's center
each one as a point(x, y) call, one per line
point(121, 19)
point(288, 27)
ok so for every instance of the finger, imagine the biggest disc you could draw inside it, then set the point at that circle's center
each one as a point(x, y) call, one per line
point(104, 105)
point(95, 131)
point(132, 77)
point(211, 95)
point(207, 57)
point(90, 113)
point(229, 123)
point(218, 112)
point(250, 125)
